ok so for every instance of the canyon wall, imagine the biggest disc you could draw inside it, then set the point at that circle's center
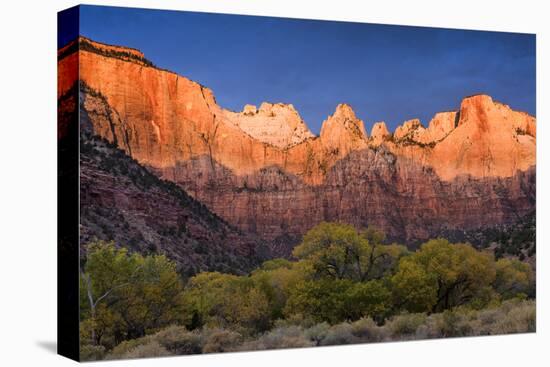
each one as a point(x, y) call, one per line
point(263, 171)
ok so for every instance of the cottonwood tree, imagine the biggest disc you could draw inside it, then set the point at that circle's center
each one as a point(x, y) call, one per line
point(458, 273)
point(127, 294)
point(339, 251)
point(513, 278)
point(226, 301)
point(336, 300)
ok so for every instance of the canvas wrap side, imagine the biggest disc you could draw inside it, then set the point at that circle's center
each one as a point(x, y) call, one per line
point(68, 198)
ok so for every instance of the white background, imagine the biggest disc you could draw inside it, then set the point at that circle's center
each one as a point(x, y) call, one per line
point(28, 182)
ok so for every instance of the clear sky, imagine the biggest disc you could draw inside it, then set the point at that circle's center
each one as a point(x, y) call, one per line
point(389, 73)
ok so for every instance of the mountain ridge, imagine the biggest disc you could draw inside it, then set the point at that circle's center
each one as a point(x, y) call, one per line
point(174, 127)
point(397, 133)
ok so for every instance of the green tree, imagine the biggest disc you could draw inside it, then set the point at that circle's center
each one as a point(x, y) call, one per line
point(513, 278)
point(413, 288)
point(276, 278)
point(338, 251)
point(459, 273)
point(336, 300)
point(369, 299)
point(321, 300)
point(227, 301)
point(125, 295)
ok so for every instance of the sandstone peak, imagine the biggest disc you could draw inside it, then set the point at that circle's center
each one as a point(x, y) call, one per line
point(250, 109)
point(268, 107)
point(481, 112)
point(343, 130)
point(483, 139)
point(474, 106)
point(277, 124)
point(344, 118)
point(379, 132)
point(407, 129)
point(478, 99)
point(345, 112)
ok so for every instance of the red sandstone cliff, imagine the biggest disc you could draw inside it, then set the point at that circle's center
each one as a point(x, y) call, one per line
point(263, 170)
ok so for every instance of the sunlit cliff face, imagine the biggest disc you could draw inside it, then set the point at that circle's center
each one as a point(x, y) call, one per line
point(264, 171)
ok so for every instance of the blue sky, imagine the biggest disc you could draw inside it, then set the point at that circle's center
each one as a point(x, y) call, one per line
point(390, 73)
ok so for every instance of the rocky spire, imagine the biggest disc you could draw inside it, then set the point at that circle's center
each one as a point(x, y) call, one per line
point(379, 133)
point(407, 130)
point(343, 121)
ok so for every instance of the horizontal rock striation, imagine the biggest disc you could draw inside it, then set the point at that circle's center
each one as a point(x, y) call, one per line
point(123, 202)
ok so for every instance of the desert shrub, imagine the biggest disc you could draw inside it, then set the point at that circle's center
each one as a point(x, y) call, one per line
point(317, 333)
point(282, 337)
point(92, 352)
point(173, 339)
point(452, 324)
point(218, 340)
point(368, 331)
point(513, 316)
point(519, 319)
point(405, 326)
point(487, 318)
point(178, 340)
point(126, 346)
point(152, 349)
point(340, 334)
point(490, 316)
point(422, 332)
point(296, 319)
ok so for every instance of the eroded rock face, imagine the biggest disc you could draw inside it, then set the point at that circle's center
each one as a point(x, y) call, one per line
point(121, 201)
point(441, 125)
point(490, 140)
point(343, 131)
point(409, 130)
point(412, 131)
point(276, 124)
point(263, 171)
point(379, 133)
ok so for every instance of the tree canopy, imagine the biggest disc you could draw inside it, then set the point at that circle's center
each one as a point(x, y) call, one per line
point(126, 295)
point(339, 251)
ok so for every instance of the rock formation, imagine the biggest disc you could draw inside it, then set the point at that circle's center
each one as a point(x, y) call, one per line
point(263, 171)
point(276, 124)
point(121, 201)
point(343, 131)
point(379, 133)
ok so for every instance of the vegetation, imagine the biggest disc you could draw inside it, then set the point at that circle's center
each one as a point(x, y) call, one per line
point(179, 238)
point(344, 287)
point(516, 240)
point(86, 45)
point(115, 161)
point(125, 296)
point(512, 316)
